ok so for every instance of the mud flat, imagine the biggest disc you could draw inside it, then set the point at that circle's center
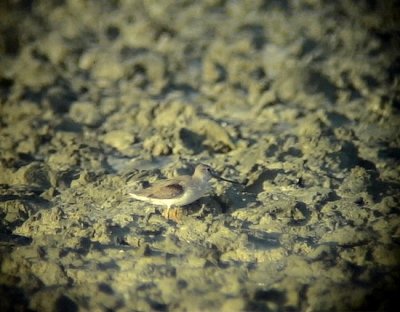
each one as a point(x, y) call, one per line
point(297, 100)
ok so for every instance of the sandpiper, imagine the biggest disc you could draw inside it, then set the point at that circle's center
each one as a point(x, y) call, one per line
point(181, 190)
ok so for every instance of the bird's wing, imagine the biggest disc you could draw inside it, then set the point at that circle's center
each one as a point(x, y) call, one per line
point(163, 190)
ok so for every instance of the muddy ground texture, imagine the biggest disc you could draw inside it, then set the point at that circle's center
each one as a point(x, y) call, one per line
point(297, 100)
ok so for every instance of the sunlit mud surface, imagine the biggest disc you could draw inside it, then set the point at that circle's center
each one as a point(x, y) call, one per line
point(297, 100)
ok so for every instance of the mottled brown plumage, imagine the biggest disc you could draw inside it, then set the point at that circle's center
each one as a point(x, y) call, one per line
point(166, 190)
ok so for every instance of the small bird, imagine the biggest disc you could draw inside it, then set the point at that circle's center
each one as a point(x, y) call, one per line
point(181, 190)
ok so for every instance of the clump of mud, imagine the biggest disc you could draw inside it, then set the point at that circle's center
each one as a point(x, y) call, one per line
point(297, 100)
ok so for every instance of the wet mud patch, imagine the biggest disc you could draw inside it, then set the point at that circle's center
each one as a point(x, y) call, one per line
point(296, 100)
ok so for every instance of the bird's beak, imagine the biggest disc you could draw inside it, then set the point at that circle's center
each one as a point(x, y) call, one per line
point(215, 175)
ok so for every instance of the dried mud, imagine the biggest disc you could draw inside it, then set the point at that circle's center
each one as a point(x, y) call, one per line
point(298, 100)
